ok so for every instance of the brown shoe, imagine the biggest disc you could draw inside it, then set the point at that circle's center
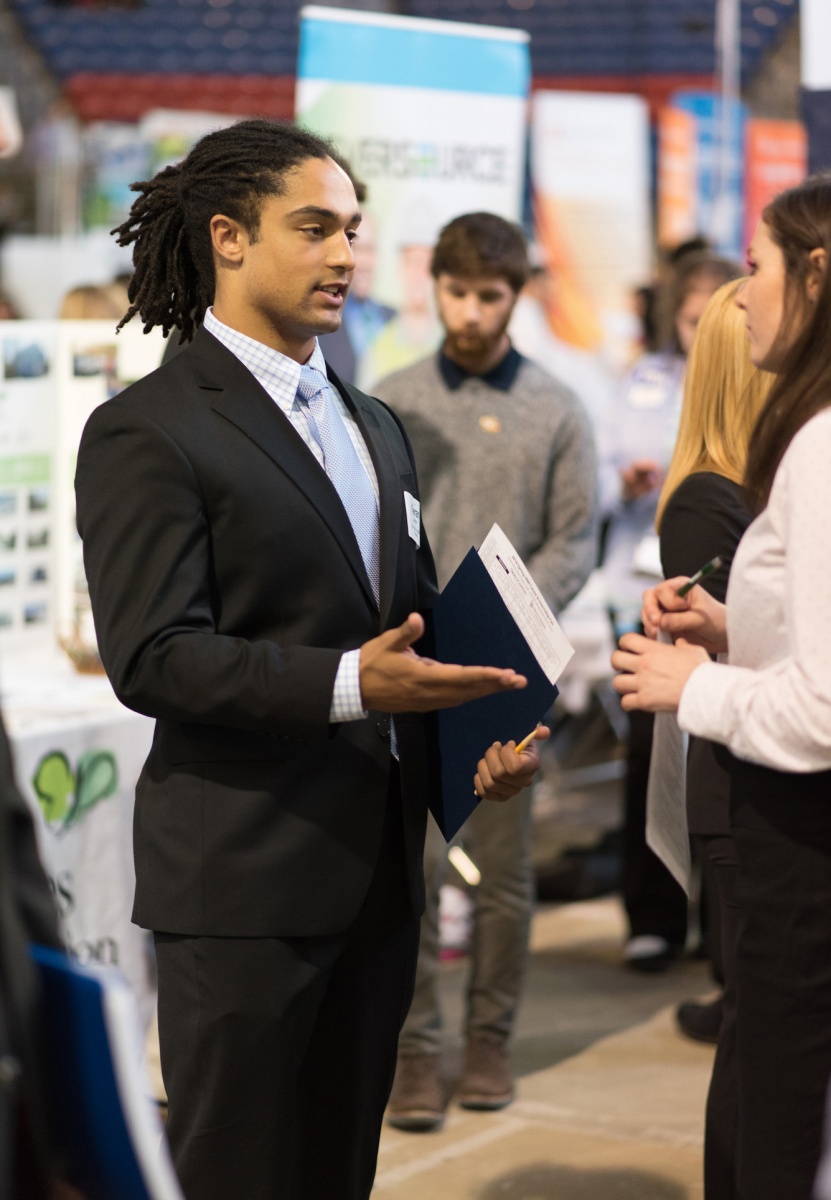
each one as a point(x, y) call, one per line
point(488, 1081)
point(417, 1101)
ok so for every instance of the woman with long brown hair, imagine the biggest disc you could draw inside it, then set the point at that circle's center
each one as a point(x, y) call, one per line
point(770, 704)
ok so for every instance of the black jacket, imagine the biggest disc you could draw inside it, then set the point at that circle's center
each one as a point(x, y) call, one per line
point(226, 583)
point(705, 516)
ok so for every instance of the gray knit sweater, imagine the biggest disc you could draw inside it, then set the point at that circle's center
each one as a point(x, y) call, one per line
point(524, 458)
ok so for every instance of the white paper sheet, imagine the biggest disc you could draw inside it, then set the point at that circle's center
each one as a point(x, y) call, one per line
point(666, 796)
point(526, 604)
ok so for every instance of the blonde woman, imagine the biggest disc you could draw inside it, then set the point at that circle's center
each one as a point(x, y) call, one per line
point(702, 513)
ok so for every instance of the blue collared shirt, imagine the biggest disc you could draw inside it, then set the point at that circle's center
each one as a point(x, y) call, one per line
point(279, 376)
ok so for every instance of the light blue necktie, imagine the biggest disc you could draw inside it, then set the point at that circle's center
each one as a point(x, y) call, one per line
point(344, 468)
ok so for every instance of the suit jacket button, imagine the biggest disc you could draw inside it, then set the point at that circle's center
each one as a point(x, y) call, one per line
point(382, 727)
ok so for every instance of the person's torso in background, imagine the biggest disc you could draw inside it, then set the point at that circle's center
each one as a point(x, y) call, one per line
point(483, 455)
point(642, 425)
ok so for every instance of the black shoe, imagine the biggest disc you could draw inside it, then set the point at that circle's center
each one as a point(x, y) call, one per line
point(701, 1022)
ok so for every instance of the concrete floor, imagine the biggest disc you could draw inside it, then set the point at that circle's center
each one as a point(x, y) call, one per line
point(610, 1097)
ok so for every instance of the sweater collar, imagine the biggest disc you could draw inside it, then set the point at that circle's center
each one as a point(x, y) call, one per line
point(501, 377)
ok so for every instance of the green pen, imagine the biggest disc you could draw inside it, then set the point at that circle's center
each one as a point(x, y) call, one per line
point(707, 569)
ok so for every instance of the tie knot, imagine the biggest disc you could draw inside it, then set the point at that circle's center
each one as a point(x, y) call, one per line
point(312, 383)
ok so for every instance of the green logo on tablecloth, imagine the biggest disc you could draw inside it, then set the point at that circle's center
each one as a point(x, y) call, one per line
point(66, 796)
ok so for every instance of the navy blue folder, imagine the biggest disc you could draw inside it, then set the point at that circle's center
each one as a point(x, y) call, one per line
point(103, 1124)
point(470, 625)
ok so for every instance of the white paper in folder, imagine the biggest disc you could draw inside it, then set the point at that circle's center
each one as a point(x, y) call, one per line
point(526, 604)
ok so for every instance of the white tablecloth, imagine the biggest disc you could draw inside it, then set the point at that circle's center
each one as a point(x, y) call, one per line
point(78, 754)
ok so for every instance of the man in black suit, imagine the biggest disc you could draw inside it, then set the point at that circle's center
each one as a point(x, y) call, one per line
point(256, 568)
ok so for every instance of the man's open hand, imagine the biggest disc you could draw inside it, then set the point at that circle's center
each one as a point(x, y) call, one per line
point(396, 679)
point(502, 773)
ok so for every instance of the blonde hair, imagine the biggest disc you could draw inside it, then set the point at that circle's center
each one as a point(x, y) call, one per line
point(92, 302)
point(723, 396)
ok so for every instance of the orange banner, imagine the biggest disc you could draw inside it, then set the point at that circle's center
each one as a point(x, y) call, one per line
point(776, 157)
point(677, 176)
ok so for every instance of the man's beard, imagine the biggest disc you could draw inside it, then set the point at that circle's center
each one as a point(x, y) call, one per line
point(472, 345)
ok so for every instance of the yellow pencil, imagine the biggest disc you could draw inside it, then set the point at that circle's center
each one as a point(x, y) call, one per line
point(523, 745)
point(526, 741)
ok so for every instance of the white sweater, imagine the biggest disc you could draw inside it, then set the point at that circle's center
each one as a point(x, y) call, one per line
point(771, 704)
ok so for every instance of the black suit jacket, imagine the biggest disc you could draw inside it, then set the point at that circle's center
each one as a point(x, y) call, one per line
point(705, 516)
point(226, 583)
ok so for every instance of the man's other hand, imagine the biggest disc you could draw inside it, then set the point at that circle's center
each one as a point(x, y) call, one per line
point(502, 773)
point(396, 679)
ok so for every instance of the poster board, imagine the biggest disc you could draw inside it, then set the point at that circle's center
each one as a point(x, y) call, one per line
point(54, 373)
point(28, 445)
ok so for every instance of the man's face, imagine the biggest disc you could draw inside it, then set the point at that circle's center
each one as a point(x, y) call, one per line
point(290, 284)
point(475, 314)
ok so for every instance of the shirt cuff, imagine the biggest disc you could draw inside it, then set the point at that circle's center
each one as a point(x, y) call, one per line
point(347, 704)
point(707, 702)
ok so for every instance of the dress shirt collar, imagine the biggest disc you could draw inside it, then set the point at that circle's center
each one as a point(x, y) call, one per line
point(278, 374)
point(501, 376)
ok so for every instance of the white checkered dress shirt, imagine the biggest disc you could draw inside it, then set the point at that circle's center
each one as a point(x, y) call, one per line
point(280, 376)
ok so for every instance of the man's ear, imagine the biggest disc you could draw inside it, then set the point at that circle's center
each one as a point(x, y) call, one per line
point(818, 265)
point(229, 240)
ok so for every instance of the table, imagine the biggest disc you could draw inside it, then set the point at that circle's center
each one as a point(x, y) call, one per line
point(78, 753)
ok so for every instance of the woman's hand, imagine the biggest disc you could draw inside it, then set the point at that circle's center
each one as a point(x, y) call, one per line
point(696, 617)
point(653, 674)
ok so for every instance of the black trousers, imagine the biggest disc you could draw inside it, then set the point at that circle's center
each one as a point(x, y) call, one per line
point(654, 901)
point(278, 1054)
point(721, 1125)
point(782, 834)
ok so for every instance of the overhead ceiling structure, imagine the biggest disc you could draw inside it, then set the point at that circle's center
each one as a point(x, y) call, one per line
point(116, 61)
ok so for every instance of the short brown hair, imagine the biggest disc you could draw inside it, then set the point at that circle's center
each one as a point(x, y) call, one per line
point(482, 244)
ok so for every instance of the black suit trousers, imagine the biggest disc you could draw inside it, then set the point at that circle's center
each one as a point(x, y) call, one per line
point(278, 1054)
point(720, 1130)
point(782, 836)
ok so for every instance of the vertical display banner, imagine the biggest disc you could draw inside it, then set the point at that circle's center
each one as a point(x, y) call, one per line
point(591, 176)
point(431, 116)
point(776, 158)
point(11, 133)
point(677, 177)
point(725, 228)
point(815, 34)
point(28, 420)
point(815, 38)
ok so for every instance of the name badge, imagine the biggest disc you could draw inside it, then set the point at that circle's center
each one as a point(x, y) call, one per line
point(413, 517)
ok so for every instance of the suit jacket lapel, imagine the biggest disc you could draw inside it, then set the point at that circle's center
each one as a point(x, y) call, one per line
point(240, 399)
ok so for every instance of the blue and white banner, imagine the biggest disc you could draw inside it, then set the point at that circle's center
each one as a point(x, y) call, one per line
point(431, 116)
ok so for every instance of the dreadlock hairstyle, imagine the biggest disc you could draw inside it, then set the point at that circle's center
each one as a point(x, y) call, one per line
point(230, 171)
